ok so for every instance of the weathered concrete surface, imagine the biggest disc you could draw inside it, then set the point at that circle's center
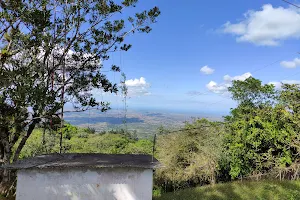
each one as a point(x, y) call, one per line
point(80, 184)
point(84, 160)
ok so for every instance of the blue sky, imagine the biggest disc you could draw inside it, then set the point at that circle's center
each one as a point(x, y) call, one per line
point(232, 38)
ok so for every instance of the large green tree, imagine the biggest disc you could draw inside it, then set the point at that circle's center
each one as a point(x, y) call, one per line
point(262, 128)
point(290, 101)
point(52, 52)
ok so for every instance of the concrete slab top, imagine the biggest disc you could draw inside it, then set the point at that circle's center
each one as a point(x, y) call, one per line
point(85, 160)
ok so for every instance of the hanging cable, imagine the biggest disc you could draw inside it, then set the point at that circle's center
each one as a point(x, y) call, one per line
point(291, 3)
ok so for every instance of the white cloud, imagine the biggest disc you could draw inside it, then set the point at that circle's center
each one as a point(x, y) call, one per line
point(278, 84)
point(291, 81)
point(242, 77)
point(223, 87)
point(207, 70)
point(217, 88)
point(137, 87)
point(291, 64)
point(267, 27)
point(136, 82)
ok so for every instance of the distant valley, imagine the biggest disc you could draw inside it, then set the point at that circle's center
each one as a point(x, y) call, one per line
point(146, 123)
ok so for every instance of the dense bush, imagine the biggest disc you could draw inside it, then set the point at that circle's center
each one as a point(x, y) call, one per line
point(83, 140)
point(190, 156)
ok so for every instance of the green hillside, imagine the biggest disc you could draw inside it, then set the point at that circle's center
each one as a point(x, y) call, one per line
point(263, 190)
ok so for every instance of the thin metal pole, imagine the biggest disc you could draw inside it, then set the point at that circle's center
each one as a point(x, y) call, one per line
point(153, 148)
point(63, 86)
point(53, 64)
point(43, 139)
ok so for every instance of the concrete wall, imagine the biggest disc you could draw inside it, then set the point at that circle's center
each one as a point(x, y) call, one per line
point(78, 184)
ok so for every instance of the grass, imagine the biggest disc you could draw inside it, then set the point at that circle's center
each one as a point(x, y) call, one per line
point(262, 190)
point(5, 198)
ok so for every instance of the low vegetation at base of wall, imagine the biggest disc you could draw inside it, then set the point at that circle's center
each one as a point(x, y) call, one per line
point(6, 198)
point(261, 190)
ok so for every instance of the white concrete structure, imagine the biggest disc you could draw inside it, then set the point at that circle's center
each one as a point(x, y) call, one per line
point(119, 183)
point(85, 177)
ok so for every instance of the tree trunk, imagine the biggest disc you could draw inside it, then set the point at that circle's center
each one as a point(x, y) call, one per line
point(24, 140)
point(212, 173)
point(213, 177)
point(7, 182)
point(6, 176)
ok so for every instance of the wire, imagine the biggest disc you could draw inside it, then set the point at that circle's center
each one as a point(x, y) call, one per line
point(291, 3)
point(291, 75)
point(268, 65)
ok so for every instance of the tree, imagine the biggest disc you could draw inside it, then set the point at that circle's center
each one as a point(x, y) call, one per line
point(52, 53)
point(290, 101)
point(260, 130)
point(252, 92)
